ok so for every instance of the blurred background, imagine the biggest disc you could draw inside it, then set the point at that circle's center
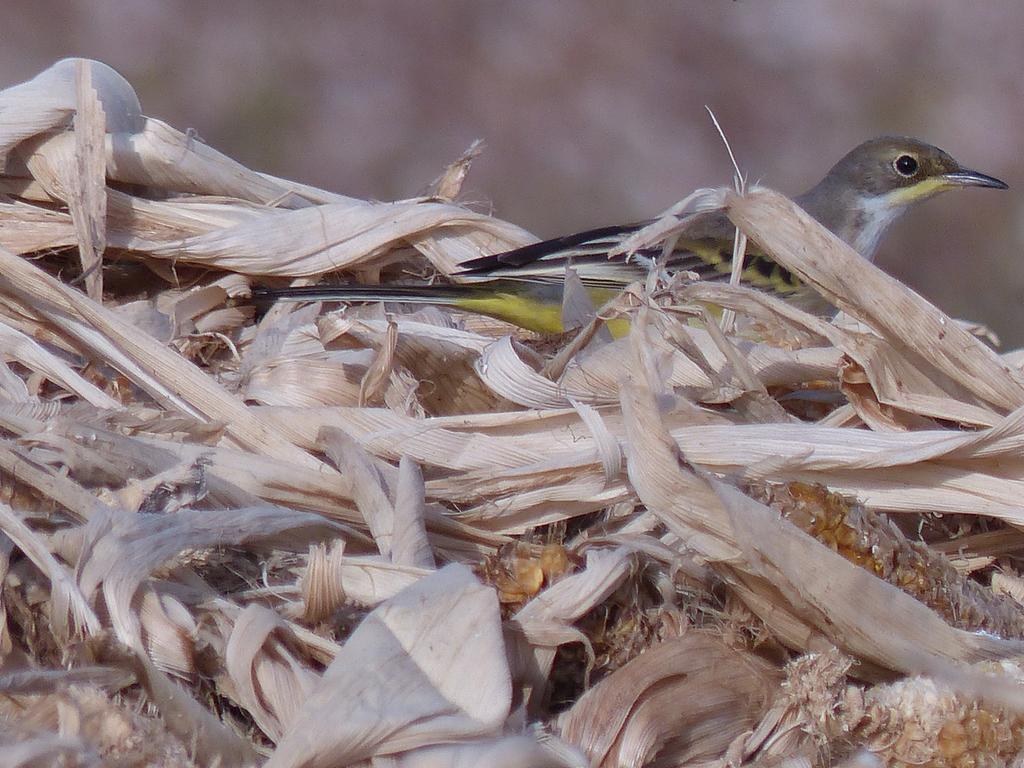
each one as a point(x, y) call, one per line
point(592, 112)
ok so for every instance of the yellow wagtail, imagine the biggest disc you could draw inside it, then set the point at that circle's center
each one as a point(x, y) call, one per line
point(858, 199)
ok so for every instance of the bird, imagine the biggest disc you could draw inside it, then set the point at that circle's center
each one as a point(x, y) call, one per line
point(858, 199)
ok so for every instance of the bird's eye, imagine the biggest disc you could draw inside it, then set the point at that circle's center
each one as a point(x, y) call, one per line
point(905, 165)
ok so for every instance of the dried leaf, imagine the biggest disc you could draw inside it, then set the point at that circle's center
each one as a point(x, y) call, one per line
point(425, 667)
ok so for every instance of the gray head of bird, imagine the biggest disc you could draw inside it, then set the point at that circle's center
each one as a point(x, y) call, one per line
point(878, 180)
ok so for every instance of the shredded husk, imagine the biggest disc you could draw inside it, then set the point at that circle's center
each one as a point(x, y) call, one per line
point(372, 536)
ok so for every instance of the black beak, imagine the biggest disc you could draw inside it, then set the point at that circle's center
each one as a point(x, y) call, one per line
point(966, 178)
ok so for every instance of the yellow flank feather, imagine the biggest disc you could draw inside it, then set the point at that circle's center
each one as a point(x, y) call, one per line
point(617, 327)
point(519, 309)
point(538, 307)
point(535, 308)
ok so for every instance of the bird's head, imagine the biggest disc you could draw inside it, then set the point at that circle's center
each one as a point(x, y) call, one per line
point(878, 180)
point(904, 170)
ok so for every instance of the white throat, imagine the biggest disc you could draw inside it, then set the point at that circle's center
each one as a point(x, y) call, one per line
point(876, 213)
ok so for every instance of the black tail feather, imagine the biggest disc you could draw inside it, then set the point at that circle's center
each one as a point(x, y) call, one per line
point(415, 294)
point(529, 254)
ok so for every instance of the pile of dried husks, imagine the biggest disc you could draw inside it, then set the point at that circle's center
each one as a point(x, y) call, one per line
point(345, 537)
